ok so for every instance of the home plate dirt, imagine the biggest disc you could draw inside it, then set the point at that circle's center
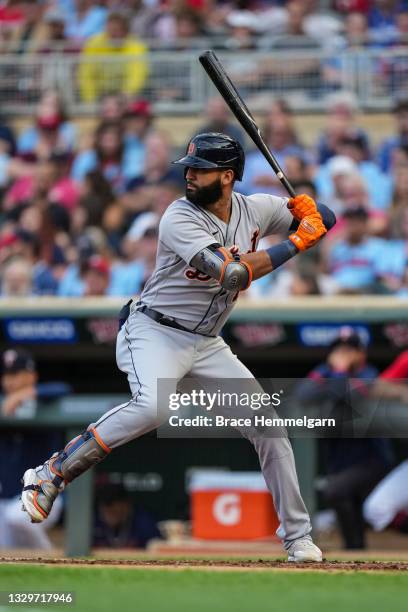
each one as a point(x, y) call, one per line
point(383, 566)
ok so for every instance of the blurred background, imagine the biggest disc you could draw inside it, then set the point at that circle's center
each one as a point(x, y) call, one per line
point(97, 98)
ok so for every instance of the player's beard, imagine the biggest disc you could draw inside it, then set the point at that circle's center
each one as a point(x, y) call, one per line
point(205, 196)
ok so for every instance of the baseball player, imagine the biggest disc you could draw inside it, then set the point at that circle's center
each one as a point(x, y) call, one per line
point(206, 255)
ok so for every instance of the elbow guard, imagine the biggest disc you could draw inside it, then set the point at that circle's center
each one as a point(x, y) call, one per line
point(235, 275)
point(232, 273)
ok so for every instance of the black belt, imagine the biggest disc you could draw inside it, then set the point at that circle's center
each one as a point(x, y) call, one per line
point(163, 320)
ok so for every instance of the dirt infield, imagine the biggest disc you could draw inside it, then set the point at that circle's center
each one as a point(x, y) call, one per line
point(383, 566)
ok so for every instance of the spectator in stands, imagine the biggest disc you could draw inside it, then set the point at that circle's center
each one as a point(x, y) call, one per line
point(96, 197)
point(17, 278)
point(52, 131)
point(157, 162)
point(403, 289)
point(28, 31)
point(387, 504)
point(353, 466)
point(346, 6)
point(351, 192)
point(395, 256)
point(143, 251)
point(282, 139)
point(379, 185)
point(96, 77)
point(402, 25)
point(85, 18)
point(189, 29)
point(39, 262)
point(125, 278)
point(55, 39)
point(356, 36)
point(381, 19)
point(393, 381)
point(118, 524)
point(389, 147)
point(112, 107)
point(305, 71)
point(137, 123)
point(48, 181)
point(357, 33)
point(119, 164)
point(95, 274)
point(355, 262)
point(7, 138)
point(242, 29)
point(218, 119)
point(144, 206)
point(297, 278)
point(20, 393)
point(342, 108)
point(143, 17)
point(296, 34)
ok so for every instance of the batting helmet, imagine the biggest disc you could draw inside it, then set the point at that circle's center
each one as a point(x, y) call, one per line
point(213, 150)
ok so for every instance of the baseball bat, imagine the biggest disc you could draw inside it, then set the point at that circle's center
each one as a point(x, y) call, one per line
point(228, 91)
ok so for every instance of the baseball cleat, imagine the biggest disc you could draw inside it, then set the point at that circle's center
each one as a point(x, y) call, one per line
point(303, 550)
point(39, 492)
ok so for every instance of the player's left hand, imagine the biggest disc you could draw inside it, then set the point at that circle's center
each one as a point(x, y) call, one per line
point(302, 206)
point(309, 232)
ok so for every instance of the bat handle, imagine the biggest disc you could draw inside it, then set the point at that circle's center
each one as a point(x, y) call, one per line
point(285, 182)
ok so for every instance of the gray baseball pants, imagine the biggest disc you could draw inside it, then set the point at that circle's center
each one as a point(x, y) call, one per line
point(147, 351)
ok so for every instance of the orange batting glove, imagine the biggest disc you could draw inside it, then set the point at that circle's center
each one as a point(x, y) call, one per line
point(310, 230)
point(302, 206)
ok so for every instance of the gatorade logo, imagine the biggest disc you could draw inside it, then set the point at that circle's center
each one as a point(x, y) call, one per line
point(227, 509)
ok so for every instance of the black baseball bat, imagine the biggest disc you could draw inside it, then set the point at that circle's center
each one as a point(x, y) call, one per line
point(228, 91)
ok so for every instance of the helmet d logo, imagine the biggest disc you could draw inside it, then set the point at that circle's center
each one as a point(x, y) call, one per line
point(191, 148)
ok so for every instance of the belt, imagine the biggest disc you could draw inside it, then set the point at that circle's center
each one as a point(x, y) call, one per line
point(163, 320)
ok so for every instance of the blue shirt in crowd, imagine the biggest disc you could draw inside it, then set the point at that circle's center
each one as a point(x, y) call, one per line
point(357, 266)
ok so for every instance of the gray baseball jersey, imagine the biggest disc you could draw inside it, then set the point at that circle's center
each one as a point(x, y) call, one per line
point(180, 291)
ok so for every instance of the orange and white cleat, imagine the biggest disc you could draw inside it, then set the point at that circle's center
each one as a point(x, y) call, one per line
point(40, 489)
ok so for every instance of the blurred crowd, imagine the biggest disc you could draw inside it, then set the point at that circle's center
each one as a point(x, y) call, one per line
point(86, 25)
point(85, 32)
point(80, 209)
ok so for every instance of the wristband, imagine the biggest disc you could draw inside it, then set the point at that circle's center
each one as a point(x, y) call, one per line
point(282, 252)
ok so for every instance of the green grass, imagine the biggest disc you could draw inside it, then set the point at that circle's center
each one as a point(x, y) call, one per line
point(145, 590)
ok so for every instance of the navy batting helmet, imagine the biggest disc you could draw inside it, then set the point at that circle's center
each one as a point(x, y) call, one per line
point(213, 150)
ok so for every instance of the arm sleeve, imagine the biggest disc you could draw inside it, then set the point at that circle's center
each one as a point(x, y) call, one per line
point(273, 214)
point(184, 234)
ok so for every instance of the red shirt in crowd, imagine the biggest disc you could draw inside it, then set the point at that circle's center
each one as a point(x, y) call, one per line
point(398, 368)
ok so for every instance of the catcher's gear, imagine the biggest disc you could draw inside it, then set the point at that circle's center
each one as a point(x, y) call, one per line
point(225, 266)
point(310, 230)
point(42, 484)
point(214, 150)
point(302, 206)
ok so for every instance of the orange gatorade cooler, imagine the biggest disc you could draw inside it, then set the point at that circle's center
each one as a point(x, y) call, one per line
point(231, 506)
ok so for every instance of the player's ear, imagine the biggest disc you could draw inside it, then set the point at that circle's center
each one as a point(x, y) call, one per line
point(227, 177)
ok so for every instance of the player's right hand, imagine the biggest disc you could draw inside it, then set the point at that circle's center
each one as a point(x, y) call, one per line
point(310, 230)
point(302, 206)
